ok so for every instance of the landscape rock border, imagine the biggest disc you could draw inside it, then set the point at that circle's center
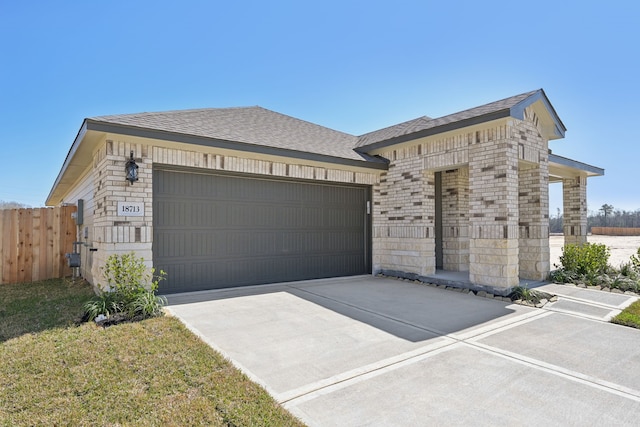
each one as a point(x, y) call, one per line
point(599, 288)
point(547, 298)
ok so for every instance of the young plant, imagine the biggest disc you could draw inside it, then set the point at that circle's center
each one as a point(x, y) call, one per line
point(106, 304)
point(130, 289)
point(525, 294)
point(147, 304)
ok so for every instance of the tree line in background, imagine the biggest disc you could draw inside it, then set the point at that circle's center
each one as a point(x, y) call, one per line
point(606, 216)
point(12, 205)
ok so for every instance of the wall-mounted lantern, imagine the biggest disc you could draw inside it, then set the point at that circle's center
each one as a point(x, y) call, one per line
point(131, 169)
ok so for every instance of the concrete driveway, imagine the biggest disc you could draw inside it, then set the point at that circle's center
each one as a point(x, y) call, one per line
point(373, 351)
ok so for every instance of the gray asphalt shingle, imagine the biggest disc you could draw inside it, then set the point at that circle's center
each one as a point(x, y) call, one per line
point(423, 123)
point(261, 127)
point(249, 125)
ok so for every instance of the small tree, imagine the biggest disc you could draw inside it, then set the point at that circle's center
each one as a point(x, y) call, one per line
point(606, 210)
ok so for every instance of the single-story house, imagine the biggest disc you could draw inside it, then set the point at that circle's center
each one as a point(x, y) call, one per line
point(246, 196)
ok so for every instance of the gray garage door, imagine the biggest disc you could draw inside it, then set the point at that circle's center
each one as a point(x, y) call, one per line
point(218, 230)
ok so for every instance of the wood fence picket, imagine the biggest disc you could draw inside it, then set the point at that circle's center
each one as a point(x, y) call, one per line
point(33, 243)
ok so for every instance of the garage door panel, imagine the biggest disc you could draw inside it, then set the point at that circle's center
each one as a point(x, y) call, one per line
point(174, 242)
point(216, 230)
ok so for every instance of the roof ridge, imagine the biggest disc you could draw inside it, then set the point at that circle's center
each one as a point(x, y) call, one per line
point(405, 128)
point(309, 122)
point(188, 110)
point(427, 118)
point(524, 95)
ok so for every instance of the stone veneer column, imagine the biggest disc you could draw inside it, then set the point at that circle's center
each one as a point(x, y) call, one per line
point(455, 219)
point(534, 221)
point(574, 195)
point(493, 212)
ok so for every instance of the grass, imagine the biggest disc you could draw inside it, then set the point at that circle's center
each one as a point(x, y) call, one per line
point(149, 373)
point(630, 316)
point(38, 306)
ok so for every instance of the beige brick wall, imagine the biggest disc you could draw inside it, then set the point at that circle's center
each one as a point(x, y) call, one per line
point(120, 234)
point(494, 204)
point(84, 190)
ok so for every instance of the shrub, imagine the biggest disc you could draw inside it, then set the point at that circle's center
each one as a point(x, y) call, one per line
point(635, 262)
point(590, 260)
point(561, 276)
point(627, 269)
point(130, 291)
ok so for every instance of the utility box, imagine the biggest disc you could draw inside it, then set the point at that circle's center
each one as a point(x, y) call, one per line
point(80, 212)
point(73, 259)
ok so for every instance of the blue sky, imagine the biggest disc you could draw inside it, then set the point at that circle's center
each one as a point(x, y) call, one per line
point(354, 66)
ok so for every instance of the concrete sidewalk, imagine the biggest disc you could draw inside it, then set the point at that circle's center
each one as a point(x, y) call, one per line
point(590, 303)
point(373, 351)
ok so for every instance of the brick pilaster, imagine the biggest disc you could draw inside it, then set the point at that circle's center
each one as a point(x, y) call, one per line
point(534, 221)
point(493, 212)
point(574, 196)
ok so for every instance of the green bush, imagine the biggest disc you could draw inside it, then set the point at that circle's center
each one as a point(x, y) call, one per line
point(588, 264)
point(635, 262)
point(130, 291)
point(590, 260)
point(627, 269)
point(625, 284)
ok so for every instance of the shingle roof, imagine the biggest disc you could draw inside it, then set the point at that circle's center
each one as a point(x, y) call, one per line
point(260, 127)
point(248, 125)
point(425, 123)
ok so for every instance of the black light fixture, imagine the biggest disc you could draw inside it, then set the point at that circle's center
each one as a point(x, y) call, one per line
point(131, 169)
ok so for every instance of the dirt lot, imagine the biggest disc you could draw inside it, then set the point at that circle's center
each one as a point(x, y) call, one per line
point(622, 247)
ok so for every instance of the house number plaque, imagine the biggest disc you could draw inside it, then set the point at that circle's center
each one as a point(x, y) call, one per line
point(130, 209)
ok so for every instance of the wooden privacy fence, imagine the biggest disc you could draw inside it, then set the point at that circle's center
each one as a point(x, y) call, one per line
point(33, 243)
point(616, 231)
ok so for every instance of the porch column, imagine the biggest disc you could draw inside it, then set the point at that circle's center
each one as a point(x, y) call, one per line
point(534, 221)
point(574, 221)
point(403, 221)
point(493, 213)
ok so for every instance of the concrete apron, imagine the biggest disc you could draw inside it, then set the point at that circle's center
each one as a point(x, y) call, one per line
point(373, 351)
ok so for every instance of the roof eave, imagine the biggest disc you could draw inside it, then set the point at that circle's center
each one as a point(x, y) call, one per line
point(366, 162)
point(496, 115)
point(517, 111)
point(72, 151)
point(586, 169)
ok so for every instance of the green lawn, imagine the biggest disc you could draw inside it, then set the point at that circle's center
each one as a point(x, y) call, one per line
point(630, 316)
point(150, 373)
